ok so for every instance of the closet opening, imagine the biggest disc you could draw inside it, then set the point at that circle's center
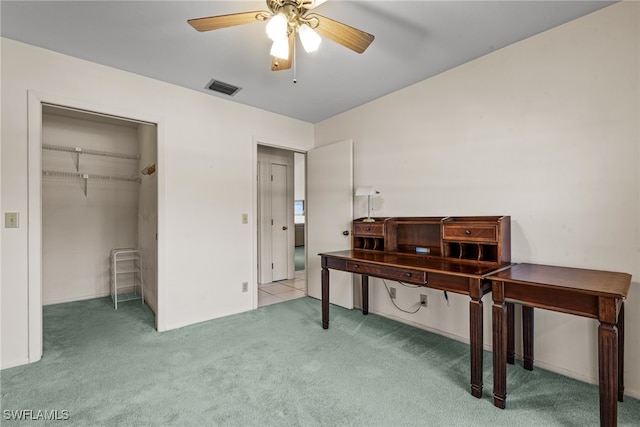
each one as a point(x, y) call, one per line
point(99, 208)
point(281, 225)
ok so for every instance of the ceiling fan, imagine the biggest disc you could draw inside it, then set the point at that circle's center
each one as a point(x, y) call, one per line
point(284, 19)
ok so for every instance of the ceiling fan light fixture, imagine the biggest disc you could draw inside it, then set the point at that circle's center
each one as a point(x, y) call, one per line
point(277, 27)
point(309, 38)
point(282, 21)
point(280, 48)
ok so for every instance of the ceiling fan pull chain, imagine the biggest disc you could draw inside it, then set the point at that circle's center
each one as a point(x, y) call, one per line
point(295, 80)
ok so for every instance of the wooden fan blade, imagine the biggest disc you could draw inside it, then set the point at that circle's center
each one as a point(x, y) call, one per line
point(224, 21)
point(278, 64)
point(349, 37)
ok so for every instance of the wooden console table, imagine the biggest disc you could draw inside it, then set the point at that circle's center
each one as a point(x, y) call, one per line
point(588, 293)
point(454, 254)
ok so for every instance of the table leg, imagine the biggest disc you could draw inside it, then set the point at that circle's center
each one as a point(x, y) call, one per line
point(621, 353)
point(527, 337)
point(608, 373)
point(325, 298)
point(475, 322)
point(500, 330)
point(511, 346)
point(365, 294)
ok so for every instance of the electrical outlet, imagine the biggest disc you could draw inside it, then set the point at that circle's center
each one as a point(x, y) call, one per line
point(245, 286)
point(423, 300)
point(11, 219)
point(392, 291)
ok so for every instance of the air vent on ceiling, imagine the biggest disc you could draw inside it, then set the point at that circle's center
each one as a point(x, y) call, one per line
point(226, 88)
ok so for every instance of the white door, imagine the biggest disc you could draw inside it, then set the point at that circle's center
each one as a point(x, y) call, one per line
point(279, 223)
point(329, 215)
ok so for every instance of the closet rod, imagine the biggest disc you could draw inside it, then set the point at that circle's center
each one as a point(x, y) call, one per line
point(59, 174)
point(78, 150)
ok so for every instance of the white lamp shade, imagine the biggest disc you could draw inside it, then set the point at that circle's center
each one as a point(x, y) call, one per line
point(280, 48)
point(309, 38)
point(277, 27)
point(366, 191)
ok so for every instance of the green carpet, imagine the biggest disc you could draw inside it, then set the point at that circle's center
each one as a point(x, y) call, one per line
point(274, 366)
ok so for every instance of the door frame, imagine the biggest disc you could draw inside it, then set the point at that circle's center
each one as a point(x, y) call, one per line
point(268, 156)
point(277, 144)
point(35, 101)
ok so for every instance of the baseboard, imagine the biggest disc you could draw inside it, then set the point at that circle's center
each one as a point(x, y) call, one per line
point(426, 328)
point(537, 363)
point(73, 299)
point(15, 363)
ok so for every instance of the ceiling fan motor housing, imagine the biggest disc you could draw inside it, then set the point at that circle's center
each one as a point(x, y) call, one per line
point(293, 10)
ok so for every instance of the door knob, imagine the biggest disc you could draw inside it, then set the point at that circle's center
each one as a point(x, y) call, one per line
point(284, 227)
point(345, 233)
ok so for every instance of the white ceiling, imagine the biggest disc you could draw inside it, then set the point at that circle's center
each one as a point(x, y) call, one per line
point(414, 40)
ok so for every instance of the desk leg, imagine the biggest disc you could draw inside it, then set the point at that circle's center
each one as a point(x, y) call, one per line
point(365, 294)
point(527, 337)
point(621, 353)
point(325, 298)
point(511, 346)
point(500, 330)
point(475, 338)
point(608, 373)
point(608, 357)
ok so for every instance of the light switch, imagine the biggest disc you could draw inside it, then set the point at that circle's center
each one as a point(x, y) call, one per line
point(245, 218)
point(11, 219)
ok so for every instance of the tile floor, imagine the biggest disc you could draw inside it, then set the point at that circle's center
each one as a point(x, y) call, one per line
point(282, 290)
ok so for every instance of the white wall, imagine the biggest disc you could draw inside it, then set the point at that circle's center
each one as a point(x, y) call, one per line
point(547, 131)
point(78, 231)
point(206, 181)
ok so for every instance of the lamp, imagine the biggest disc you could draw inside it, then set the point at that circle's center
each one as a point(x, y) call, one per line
point(287, 17)
point(367, 191)
point(277, 27)
point(280, 48)
point(309, 38)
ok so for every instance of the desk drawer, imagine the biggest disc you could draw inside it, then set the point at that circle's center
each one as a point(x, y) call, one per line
point(392, 273)
point(368, 229)
point(470, 232)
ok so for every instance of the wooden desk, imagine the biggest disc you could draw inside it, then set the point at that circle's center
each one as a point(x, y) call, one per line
point(588, 293)
point(433, 272)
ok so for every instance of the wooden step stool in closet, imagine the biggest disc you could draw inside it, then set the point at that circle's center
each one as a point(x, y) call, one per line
point(126, 275)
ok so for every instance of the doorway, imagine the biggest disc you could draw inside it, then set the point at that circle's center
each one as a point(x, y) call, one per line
point(39, 105)
point(99, 194)
point(281, 233)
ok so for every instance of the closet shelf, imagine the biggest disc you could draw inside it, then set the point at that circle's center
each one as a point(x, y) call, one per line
point(79, 150)
point(59, 174)
point(88, 176)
